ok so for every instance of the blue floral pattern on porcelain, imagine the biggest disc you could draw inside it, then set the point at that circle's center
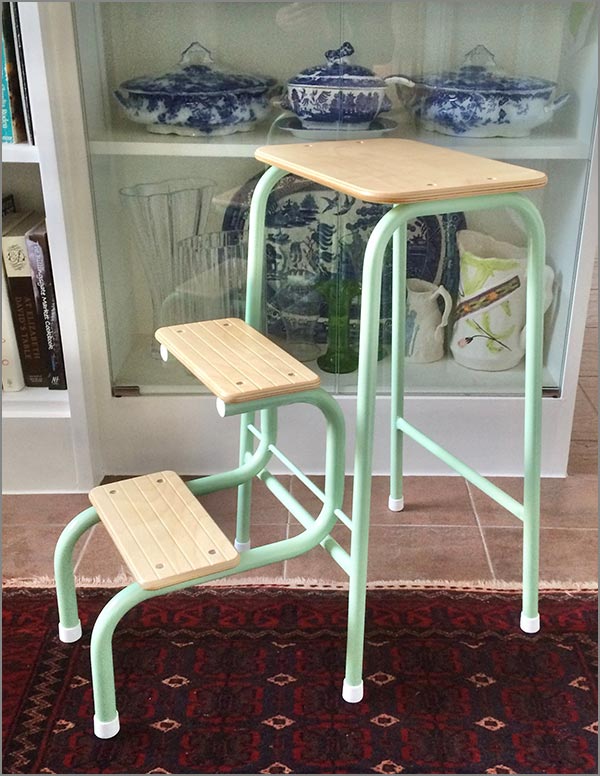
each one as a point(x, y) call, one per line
point(479, 101)
point(337, 93)
point(197, 99)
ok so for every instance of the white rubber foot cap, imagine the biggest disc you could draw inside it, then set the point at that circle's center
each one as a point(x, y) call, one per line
point(241, 546)
point(395, 504)
point(530, 624)
point(164, 353)
point(106, 729)
point(353, 693)
point(69, 635)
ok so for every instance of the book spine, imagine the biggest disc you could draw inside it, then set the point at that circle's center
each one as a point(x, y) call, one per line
point(12, 374)
point(45, 298)
point(32, 348)
point(13, 122)
point(20, 61)
point(7, 125)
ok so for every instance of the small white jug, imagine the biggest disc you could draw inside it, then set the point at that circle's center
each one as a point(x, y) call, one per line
point(425, 324)
point(489, 326)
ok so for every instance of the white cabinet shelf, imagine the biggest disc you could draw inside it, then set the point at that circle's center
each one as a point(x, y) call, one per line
point(36, 403)
point(134, 140)
point(20, 152)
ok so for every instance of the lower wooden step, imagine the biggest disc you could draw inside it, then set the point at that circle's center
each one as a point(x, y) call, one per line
point(163, 533)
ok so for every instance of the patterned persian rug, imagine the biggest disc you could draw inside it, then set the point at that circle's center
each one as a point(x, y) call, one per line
point(238, 680)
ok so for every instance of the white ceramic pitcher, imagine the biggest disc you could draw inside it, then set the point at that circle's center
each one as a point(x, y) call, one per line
point(425, 323)
point(489, 319)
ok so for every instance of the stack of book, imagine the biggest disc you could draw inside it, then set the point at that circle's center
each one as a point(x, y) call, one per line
point(32, 351)
point(16, 113)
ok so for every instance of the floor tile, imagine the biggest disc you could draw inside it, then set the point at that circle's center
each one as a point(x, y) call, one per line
point(40, 509)
point(583, 457)
point(589, 385)
point(565, 554)
point(592, 316)
point(317, 563)
point(585, 418)
point(266, 509)
point(403, 553)
point(589, 354)
point(565, 502)
point(429, 501)
point(28, 553)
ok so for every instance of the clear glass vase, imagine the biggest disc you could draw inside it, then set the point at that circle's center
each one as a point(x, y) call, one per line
point(211, 278)
point(162, 214)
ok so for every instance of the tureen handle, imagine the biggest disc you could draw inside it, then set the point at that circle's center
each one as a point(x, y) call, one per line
point(480, 56)
point(196, 54)
point(338, 55)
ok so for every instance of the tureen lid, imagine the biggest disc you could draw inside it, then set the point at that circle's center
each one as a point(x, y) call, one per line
point(338, 72)
point(197, 74)
point(480, 73)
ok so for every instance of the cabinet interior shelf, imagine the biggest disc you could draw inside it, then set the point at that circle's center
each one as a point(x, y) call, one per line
point(20, 152)
point(134, 140)
point(35, 403)
point(441, 378)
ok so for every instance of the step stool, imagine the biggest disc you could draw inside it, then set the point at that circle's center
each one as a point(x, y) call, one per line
point(250, 375)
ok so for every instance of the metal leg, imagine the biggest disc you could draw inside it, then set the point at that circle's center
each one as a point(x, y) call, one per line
point(365, 416)
point(106, 717)
point(242, 530)
point(254, 316)
point(69, 625)
point(530, 618)
point(396, 499)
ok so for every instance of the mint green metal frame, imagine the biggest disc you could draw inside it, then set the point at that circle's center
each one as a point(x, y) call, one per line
point(253, 460)
point(316, 532)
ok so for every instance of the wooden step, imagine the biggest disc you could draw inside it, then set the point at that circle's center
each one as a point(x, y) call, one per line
point(162, 531)
point(396, 170)
point(235, 361)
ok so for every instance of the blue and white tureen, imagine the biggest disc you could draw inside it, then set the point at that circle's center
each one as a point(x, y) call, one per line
point(336, 93)
point(478, 100)
point(199, 98)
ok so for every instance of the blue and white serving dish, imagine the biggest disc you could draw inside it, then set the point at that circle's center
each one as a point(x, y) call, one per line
point(478, 100)
point(197, 99)
point(313, 234)
point(337, 92)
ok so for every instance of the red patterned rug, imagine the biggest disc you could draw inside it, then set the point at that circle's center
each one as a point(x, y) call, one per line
point(238, 680)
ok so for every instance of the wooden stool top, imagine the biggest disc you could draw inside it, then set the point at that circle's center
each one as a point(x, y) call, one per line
point(391, 170)
point(161, 530)
point(236, 362)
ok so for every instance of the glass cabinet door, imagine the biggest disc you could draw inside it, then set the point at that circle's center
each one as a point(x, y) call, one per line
point(179, 95)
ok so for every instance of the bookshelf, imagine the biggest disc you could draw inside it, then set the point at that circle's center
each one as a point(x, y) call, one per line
point(46, 440)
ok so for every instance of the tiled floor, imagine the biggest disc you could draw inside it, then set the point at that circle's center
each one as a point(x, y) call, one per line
point(448, 531)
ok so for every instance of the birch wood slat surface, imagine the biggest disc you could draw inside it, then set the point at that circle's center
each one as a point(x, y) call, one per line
point(236, 362)
point(163, 533)
point(391, 170)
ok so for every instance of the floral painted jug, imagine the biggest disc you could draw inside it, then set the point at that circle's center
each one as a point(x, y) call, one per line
point(489, 320)
point(425, 323)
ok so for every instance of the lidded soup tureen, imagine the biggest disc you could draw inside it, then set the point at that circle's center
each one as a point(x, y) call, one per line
point(337, 92)
point(199, 98)
point(478, 100)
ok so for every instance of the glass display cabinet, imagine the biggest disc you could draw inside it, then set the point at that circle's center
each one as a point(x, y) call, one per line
point(174, 99)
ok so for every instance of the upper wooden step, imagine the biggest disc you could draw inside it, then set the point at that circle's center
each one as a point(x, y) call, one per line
point(393, 170)
point(163, 533)
point(235, 361)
